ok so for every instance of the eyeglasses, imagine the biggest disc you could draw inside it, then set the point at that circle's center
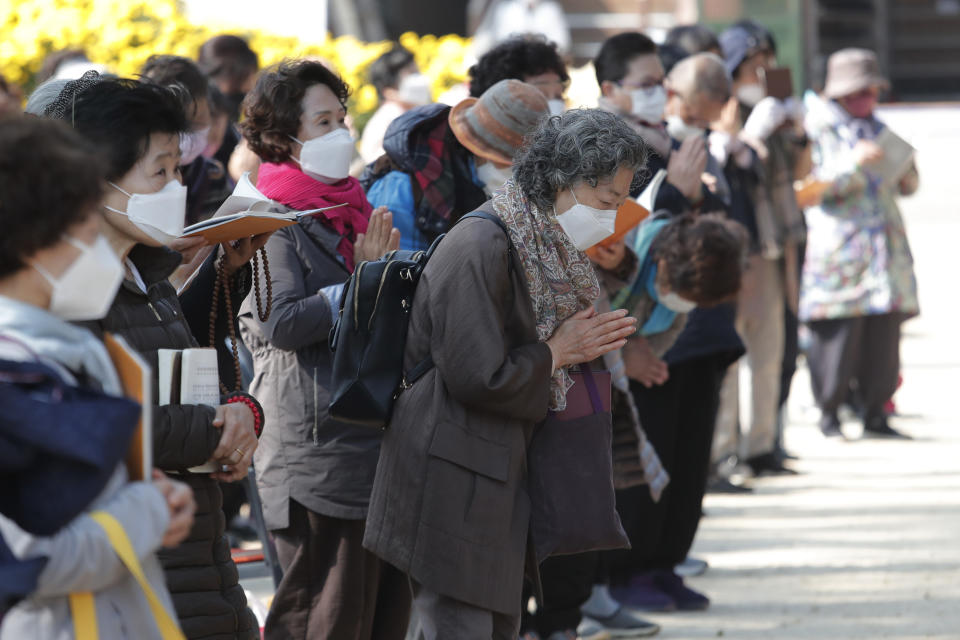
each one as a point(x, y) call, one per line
point(551, 84)
point(645, 85)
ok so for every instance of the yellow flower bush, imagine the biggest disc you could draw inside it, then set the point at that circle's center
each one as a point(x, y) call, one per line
point(122, 34)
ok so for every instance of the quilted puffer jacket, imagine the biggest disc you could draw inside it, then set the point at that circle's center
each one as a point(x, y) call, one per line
point(200, 573)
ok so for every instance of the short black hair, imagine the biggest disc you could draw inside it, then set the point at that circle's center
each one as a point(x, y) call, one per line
point(515, 59)
point(177, 70)
point(692, 38)
point(120, 114)
point(617, 52)
point(229, 59)
point(273, 108)
point(384, 72)
point(50, 179)
point(670, 55)
point(705, 256)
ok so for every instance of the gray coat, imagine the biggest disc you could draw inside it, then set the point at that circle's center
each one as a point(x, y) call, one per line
point(450, 504)
point(325, 465)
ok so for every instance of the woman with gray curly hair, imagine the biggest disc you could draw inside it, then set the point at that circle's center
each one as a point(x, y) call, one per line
point(502, 316)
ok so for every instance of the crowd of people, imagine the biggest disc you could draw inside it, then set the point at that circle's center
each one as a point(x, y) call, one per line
point(434, 527)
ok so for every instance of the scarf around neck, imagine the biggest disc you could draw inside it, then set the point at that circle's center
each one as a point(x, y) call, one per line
point(560, 278)
point(288, 185)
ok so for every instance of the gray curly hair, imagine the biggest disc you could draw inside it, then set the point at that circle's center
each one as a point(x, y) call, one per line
point(582, 145)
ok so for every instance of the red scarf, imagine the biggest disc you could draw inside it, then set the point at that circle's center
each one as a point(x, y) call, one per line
point(289, 186)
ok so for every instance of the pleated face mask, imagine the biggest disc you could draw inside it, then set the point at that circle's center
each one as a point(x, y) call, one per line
point(160, 214)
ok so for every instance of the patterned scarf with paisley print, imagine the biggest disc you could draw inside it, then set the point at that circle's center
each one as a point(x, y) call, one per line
point(561, 280)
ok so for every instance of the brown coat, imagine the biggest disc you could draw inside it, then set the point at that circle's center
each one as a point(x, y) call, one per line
point(449, 504)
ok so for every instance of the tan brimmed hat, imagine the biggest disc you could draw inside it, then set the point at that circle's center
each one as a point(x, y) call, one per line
point(851, 70)
point(493, 126)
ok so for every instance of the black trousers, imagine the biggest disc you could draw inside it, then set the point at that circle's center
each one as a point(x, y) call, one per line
point(567, 583)
point(679, 418)
point(864, 351)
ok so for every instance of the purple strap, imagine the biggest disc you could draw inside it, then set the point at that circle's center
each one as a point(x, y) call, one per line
point(591, 388)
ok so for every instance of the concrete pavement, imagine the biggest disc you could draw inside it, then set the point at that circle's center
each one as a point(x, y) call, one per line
point(865, 541)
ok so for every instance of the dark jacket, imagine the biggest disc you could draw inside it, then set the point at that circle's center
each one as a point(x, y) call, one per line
point(413, 144)
point(668, 196)
point(325, 465)
point(200, 573)
point(450, 505)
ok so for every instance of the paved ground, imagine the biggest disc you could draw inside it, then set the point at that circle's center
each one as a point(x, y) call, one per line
point(865, 542)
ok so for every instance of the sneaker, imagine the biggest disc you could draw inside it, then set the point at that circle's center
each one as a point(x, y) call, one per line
point(830, 426)
point(588, 630)
point(686, 599)
point(642, 594)
point(880, 429)
point(768, 465)
point(719, 484)
point(624, 624)
point(691, 567)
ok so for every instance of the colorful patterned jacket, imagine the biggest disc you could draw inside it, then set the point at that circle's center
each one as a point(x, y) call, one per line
point(858, 260)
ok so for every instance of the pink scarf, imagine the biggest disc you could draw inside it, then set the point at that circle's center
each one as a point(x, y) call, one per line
point(289, 186)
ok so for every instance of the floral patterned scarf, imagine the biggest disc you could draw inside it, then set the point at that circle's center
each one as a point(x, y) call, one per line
point(560, 278)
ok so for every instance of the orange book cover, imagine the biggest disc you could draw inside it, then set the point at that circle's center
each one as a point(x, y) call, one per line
point(135, 376)
point(239, 227)
point(629, 215)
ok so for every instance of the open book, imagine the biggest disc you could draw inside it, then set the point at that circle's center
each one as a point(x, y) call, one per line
point(897, 157)
point(247, 212)
point(135, 376)
point(189, 376)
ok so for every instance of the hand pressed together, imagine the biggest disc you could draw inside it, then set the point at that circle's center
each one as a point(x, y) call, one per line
point(380, 237)
point(237, 442)
point(643, 365)
point(588, 335)
point(686, 165)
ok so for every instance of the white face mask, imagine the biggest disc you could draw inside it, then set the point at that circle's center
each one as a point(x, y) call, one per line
point(751, 94)
point(328, 157)
point(87, 288)
point(586, 226)
point(557, 106)
point(192, 145)
point(648, 104)
point(674, 302)
point(415, 89)
point(680, 130)
point(161, 214)
point(493, 177)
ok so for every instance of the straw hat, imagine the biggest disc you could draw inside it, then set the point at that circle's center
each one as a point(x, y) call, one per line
point(851, 70)
point(493, 126)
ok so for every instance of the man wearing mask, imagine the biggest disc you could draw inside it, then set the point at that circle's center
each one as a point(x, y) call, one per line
point(760, 142)
point(697, 91)
point(631, 78)
point(401, 87)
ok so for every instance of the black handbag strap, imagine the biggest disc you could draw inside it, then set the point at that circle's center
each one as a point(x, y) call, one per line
point(424, 366)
